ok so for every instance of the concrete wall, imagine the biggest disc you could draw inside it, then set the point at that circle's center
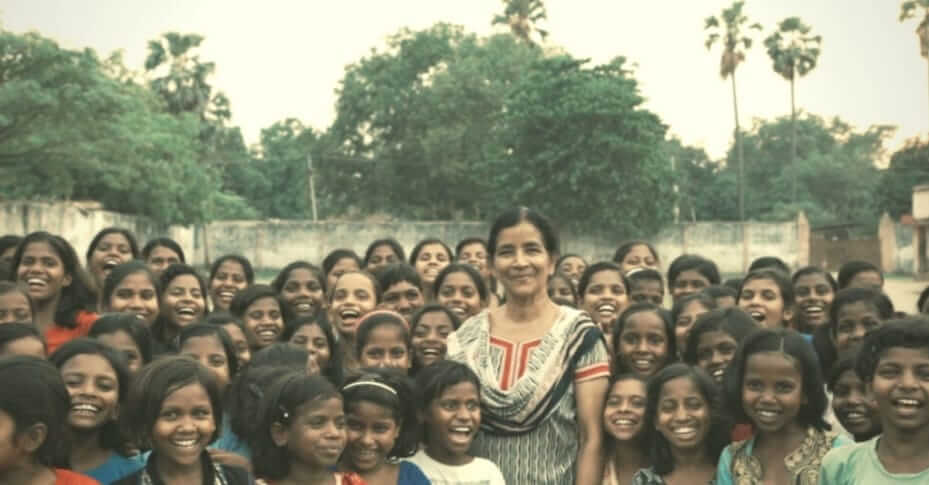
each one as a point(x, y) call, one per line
point(273, 244)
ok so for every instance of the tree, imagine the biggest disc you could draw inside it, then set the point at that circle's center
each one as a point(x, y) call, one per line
point(907, 11)
point(908, 167)
point(794, 52)
point(730, 29)
point(523, 17)
point(702, 183)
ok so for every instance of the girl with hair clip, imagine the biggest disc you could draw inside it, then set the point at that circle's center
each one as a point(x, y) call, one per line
point(623, 421)
point(131, 288)
point(383, 426)
point(97, 380)
point(302, 287)
point(381, 253)
point(174, 407)
point(15, 304)
point(110, 248)
point(687, 428)
point(775, 384)
point(34, 424)
point(47, 266)
point(161, 252)
point(229, 274)
point(128, 336)
point(301, 433)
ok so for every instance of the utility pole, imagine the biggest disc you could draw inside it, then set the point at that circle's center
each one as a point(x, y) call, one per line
point(312, 186)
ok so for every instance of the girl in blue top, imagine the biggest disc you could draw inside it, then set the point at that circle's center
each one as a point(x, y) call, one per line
point(775, 383)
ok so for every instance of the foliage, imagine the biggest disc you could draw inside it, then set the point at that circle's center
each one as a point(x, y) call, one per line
point(907, 11)
point(908, 167)
point(728, 29)
point(523, 17)
point(792, 49)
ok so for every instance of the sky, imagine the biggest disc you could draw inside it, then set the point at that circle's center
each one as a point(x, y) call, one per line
point(279, 59)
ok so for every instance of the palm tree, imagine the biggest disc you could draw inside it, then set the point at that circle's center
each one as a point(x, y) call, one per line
point(184, 86)
point(523, 16)
point(794, 52)
point(735, 43)
point(908, 11)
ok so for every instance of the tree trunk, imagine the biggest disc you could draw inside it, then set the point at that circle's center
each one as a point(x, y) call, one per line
point(793, 143)
point(739, 151)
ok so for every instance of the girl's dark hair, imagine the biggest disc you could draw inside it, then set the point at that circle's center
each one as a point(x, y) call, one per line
point(468, 241)
point(678, 307)
point(808, 270)
point(151, 387)
point(718, 436)
point(121, 272)
point(569, 255)
point(333, 369)
point(466, 269)
point(824, 345)
point(242, 260)
point(628, 313)
point(793, 346)
point(337, 255)
point(645, 274)
point(246, 391)
point(721, 291)
point(420, 245)
point(133, 245)
point(627, 246)
point(110, 435)
point(376, 319)
point(281, 354)
point(244, 299)
point(281, 278)
point(110, 323)
point(908, 333)
point(595, 268)
point(849, 270)
point(781, 279)
point(513, 217)
point(845, 362)
point(732, 321)
point(397, 273)
point(921, 302)
point(394, 246)
point(378, 289)
point(10, 332)
point(206, 330)
point(163, 242)
point(9, 241)
point(559, 275)
point(11, 287)
point(280, 404)
point(75, 297)
point(877, 298)
point(687, 262)
point(223, 318)
point(40, 397)
point(642, 438)
point(162, 325)
point(769, 262)
point(368, 387)
point(433, 308)
point(434, 379)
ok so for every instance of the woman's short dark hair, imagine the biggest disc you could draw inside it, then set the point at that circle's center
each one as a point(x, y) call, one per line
point(11, 287)
point(781, 279)
point(133, 244)
point(908, 333)
point(732, 321)
point(849, 270)
point(281, 278)
point(808, 270)
point(468, 270)
point(337, 255)
point(627, 246)
point(207, 330)
point(793, 346)
point(719, 434)
point(620, 324)
point(280, 405)
point(110, 435)
point(433, 308)
point(847, 296)
point(244, 299)
point(401, 403)
point(375, 319)
point(242, 260)
point(389, 241)
point(397, 273)
point(110, 323)
point(467, 242)
point(595, 268)
point(154, 383)
point(163, 242)
point(513, 217)
point(11, 332)
point(688, 262)
point(425, 242)
point(769, 262)
point(119, 273)
point(75, 297)
point(40, 397)
point(678, 307)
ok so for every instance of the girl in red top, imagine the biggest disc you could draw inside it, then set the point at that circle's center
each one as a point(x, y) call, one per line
point(33, 424)
point(47, 266)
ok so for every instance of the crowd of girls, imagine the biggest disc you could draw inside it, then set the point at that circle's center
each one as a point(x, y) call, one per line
point(492, 361)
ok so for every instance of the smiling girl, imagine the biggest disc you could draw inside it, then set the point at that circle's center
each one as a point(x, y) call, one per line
point(302, 286)
point(768, 297)
point(111, 247)
point(263, 315)
point(183, 302)
point(131, 288)
point(229, 275)
point(429, 256)
point(623, 421)
point(459, 288)
point(643, 340)
point(430, 328)
point(603, 291)
point(354, 294)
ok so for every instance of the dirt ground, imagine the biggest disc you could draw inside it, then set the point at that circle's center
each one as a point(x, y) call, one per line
point(904, 292)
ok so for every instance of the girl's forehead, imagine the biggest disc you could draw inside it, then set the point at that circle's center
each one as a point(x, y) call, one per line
point(354, 281)
point(772, 362)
